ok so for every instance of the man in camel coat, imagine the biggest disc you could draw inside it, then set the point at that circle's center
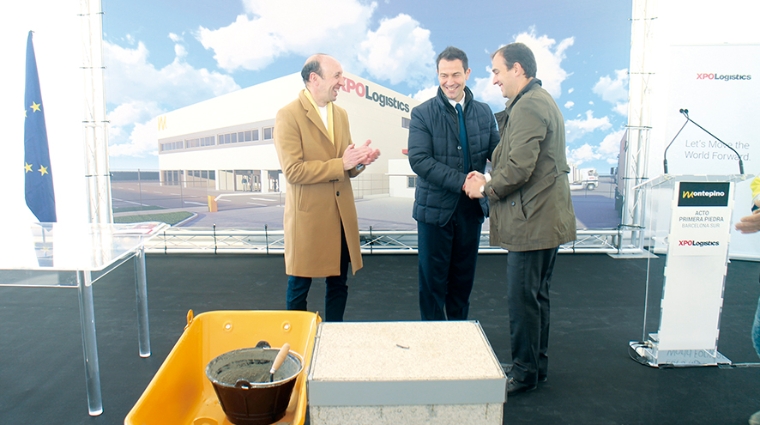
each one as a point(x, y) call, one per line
point(313, 142)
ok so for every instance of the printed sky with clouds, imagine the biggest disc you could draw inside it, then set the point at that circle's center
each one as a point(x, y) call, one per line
point(164, 55)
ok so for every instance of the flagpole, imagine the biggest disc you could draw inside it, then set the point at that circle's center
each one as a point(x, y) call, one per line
point(97, 171)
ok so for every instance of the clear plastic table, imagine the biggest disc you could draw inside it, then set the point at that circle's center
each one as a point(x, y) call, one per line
point(76, 256)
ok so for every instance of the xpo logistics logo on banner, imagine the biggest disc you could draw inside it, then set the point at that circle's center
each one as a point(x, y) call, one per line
point(697, 244)
point(703, 194)
point(364, 91)
point(723, 77)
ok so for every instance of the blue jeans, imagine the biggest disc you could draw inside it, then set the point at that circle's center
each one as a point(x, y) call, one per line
point(336, 291)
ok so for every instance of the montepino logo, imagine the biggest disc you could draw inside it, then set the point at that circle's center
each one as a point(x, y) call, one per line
point(689, 195)
point(703, 194)
point(365, 91)
point(712, 76)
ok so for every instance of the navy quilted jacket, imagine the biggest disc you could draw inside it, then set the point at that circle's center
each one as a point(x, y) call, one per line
point(436, 155)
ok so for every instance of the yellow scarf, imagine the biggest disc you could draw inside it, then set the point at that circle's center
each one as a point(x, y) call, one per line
point(755, 186)
point(330, 130)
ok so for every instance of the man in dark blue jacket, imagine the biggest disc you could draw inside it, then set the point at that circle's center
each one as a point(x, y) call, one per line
point(449, 136)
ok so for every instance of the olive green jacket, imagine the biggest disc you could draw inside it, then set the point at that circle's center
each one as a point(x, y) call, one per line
point(529, 191)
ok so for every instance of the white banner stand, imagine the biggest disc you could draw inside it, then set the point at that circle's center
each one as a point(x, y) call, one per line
point(696, 245)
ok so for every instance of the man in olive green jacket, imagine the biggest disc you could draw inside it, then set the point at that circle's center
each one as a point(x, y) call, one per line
point(531, 210)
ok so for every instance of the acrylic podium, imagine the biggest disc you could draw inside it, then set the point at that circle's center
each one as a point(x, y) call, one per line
point(695, 239)
point(76, 256)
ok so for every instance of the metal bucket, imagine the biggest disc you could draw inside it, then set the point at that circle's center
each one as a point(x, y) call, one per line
point(241, 382)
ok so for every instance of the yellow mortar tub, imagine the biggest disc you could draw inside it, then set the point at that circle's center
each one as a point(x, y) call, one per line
point(180, 392)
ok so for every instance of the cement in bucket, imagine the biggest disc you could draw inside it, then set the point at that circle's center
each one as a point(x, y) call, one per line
point(241, 382)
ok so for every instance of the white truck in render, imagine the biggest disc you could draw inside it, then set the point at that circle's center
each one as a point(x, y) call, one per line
point(583, 178)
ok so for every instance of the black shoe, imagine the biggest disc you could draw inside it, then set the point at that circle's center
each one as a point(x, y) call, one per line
point(507, 367)
point(515, 387)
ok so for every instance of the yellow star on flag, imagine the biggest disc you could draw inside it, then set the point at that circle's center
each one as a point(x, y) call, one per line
point(43, 170)
point(27, 167)
point(35, 107)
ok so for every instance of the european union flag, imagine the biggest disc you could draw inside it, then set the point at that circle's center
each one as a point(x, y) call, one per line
point(40, 196)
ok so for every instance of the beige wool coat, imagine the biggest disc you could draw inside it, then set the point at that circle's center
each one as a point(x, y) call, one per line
point(318, 198)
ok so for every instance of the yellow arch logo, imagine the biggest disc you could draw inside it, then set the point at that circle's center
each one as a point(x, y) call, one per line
point(162, 122)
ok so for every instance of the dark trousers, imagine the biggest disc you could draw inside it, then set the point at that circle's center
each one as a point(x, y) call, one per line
point(528, 276)
point(447, 257)
point(336, 290)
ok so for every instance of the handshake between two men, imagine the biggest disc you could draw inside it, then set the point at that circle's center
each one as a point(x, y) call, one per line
point(363, 155)
point(474, 184)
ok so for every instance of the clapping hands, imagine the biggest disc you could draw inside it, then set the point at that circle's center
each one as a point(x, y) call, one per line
point(363, 154)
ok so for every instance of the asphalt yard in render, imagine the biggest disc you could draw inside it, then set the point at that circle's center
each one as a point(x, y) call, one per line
point(595, 209)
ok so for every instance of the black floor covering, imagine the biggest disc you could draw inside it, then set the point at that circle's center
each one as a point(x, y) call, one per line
point(597, 307)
